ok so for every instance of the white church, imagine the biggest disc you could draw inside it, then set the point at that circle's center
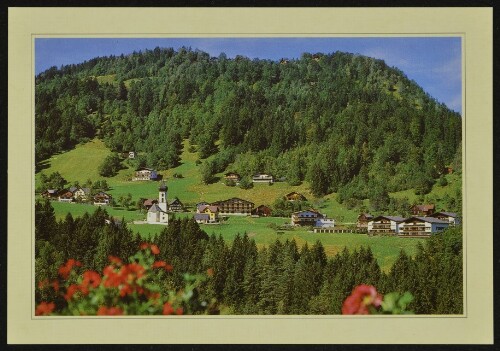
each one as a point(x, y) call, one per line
point(158, 213)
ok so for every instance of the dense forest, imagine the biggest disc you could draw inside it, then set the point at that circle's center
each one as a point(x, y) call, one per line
point(346, 123)
point(279, 279)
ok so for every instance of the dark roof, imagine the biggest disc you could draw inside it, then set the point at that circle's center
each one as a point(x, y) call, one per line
point(201, 216)
point(149, 202)
point(447, 214)
point(155, 208)
point(210, 207)
point(233, 199)
point(73, 189)
point(176, 201)
point(163, 187)
point(367, 215)
point(391, 218)
point(86, 190)
point(312, 211)
point(424, 207)
point(52, 191)
point(426, 219)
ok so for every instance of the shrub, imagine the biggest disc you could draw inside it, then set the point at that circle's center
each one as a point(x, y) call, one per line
point(133, 288)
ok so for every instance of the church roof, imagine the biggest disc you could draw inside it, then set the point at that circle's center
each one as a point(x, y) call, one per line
point(155, 208)
point(163, 187)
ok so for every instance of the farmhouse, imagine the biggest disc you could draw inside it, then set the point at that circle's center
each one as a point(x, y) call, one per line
point(81, 194)
point(157, 213)
point(384, 225)
point(235, 177)
point(176, 205)
point(202, 218)
point(262, 211)
point(363, 219)
point(422, 210)
point(421, 226)
point(65, 196)
point(308, 217)
point(234, 206)
point(262, 178)
point(208, 210)
point(145, 174)
point(295, 196)
point(148, 203)
point(451, 217)
point(102, 199)
point(51, 194)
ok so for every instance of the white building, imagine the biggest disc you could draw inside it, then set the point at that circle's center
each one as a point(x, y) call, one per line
point(384, 225)
point(325, 223)
point(262, 178)
point(421, 226)
point(158, 213)
point(451, 217)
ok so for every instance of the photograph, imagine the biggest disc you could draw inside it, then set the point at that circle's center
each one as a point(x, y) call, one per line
point(248, 176)
point(268, 176)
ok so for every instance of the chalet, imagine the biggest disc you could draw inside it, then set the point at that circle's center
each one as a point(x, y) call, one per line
point(211, 211)
point(384, 225)
point(450, 217)
point(51, 194)
point(157, 213)
point(235, 177)
point(363, 220)
point(145, 174)
point(308, 217)
point(262, 178)
point(202, 218)
point(262, 211)
point(202, 203)
point(421, 226)
point(81, 193)
point(422, 210)
point(65, 196)
point(176, 205)
point(148, 203)
point(102, 199)
point(234, 206)
point(295, 196)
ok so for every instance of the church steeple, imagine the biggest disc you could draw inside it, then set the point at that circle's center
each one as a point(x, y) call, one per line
point(162, 196)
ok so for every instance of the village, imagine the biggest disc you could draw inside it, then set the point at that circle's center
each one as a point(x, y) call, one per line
point(423, 222)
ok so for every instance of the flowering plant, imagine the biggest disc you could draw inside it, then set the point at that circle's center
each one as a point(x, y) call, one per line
point(365, 299)
point(135, 288)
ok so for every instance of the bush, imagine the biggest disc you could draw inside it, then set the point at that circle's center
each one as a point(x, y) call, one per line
point(122, 289)
point(110, 166)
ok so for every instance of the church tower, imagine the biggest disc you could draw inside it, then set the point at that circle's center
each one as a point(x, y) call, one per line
point(162, 196)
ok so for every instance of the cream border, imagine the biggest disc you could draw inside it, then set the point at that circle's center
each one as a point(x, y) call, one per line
point(476, 26)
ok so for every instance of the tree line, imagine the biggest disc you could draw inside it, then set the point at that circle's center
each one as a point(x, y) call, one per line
point(278, 279)
point(340, 121)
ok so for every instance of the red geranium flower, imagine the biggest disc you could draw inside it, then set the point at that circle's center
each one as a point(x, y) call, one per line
point(66, 269)
point(144, 246)
point(167, 309)
point(114, 260)
point(155, 250)
point(361, 298)
point(72, 289)
point(210, 272)
point(44, 308)
point(91, 278)
point(109, 311)
point(159, 264)
point(55, 285)
point(179, 311)
point(43, 284)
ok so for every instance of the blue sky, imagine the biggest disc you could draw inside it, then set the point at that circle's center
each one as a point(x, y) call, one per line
point(433, 62)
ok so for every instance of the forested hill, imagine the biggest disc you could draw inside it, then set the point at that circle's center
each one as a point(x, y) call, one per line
point(339, 120)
